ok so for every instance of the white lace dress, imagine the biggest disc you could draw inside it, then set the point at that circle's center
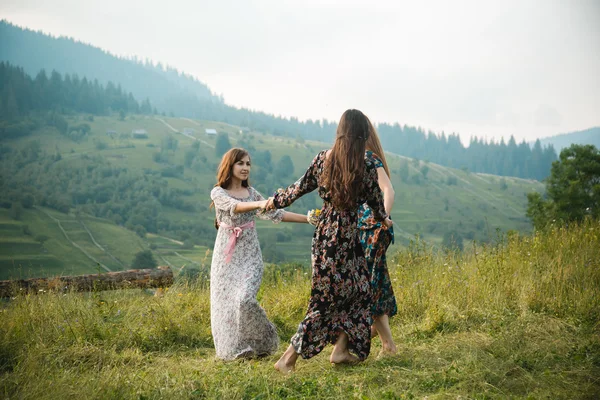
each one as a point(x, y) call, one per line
point(239, 324)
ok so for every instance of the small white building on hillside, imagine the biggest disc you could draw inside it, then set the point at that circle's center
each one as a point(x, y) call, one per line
point(139, 134)
point(210, 132)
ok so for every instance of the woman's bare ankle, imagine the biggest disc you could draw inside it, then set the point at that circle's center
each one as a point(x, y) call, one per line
point(287, 361)
point(374, 332)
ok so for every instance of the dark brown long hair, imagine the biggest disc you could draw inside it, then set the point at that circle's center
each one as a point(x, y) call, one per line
point(345, 166)
point(374, 145)
point(225, 171)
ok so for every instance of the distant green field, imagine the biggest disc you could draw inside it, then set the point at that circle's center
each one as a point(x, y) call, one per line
point(22, 255)
point(428, 204)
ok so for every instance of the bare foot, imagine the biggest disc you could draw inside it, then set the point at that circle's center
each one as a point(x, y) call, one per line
point(387, 351)
point(287, 362)
point(343, 358)
point(390, 349)
point(284, 368)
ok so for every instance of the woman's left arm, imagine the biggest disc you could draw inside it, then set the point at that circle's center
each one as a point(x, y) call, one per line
point(306, 184)
point(293, 217)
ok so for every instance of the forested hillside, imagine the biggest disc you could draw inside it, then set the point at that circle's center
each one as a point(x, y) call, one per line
point(68, 131)
point(172, 93)
point(68, 56)
point(505, 159)
point(157, 185)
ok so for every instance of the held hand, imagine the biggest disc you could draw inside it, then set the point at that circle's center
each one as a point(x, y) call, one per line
point(270, 206)
point(262, 205)
point(388, 223)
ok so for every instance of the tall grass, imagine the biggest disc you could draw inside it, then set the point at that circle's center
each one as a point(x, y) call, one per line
point(519, 318)
point(555, 272)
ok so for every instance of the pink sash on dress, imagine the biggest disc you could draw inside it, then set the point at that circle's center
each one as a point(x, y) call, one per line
point(236, 231)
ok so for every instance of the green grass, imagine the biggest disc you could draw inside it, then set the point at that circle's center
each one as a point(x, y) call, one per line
point(519, 319)
point(21, 256)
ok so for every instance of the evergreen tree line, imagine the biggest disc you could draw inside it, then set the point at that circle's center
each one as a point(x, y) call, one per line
point(22, 95)
point(161, 84)
point(498, 158)
point(182, 95)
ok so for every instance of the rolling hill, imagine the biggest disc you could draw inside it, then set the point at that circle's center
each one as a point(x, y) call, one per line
point(157, 184)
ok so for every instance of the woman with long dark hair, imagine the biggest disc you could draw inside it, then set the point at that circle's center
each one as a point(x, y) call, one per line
point(239, 325)
point(376, 238)
point(339, 307)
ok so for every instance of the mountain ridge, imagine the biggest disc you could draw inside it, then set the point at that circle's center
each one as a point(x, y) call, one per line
point(562, 140)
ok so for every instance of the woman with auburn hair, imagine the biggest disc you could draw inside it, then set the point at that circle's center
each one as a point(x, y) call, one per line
point(376, 238)
point(239, 325)
point(339, 307)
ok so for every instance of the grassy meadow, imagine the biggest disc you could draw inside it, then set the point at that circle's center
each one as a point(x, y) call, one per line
point(519, 318)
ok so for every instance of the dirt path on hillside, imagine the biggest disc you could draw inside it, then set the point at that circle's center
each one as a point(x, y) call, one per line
point(184, 134)
point(169, 239)
point(88, 255)
point(115, 259)
point(185, 258)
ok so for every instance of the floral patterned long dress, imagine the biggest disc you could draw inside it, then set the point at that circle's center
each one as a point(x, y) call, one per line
point(239, 324)
point(375, 240)
point(340, 294)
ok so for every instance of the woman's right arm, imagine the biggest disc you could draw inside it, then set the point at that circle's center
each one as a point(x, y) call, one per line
point(388, 190)
point(248, 206)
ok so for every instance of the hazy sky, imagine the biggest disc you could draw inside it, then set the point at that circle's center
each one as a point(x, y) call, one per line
point(485, 68)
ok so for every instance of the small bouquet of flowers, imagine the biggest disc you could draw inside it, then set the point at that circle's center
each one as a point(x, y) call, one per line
point(313, 216)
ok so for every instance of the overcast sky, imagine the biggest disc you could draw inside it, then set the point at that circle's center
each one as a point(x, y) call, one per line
point(485, 68)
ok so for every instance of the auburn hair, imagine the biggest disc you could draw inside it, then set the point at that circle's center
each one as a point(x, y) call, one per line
point(345, 166)
point(225, 171)
point(374, 145)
